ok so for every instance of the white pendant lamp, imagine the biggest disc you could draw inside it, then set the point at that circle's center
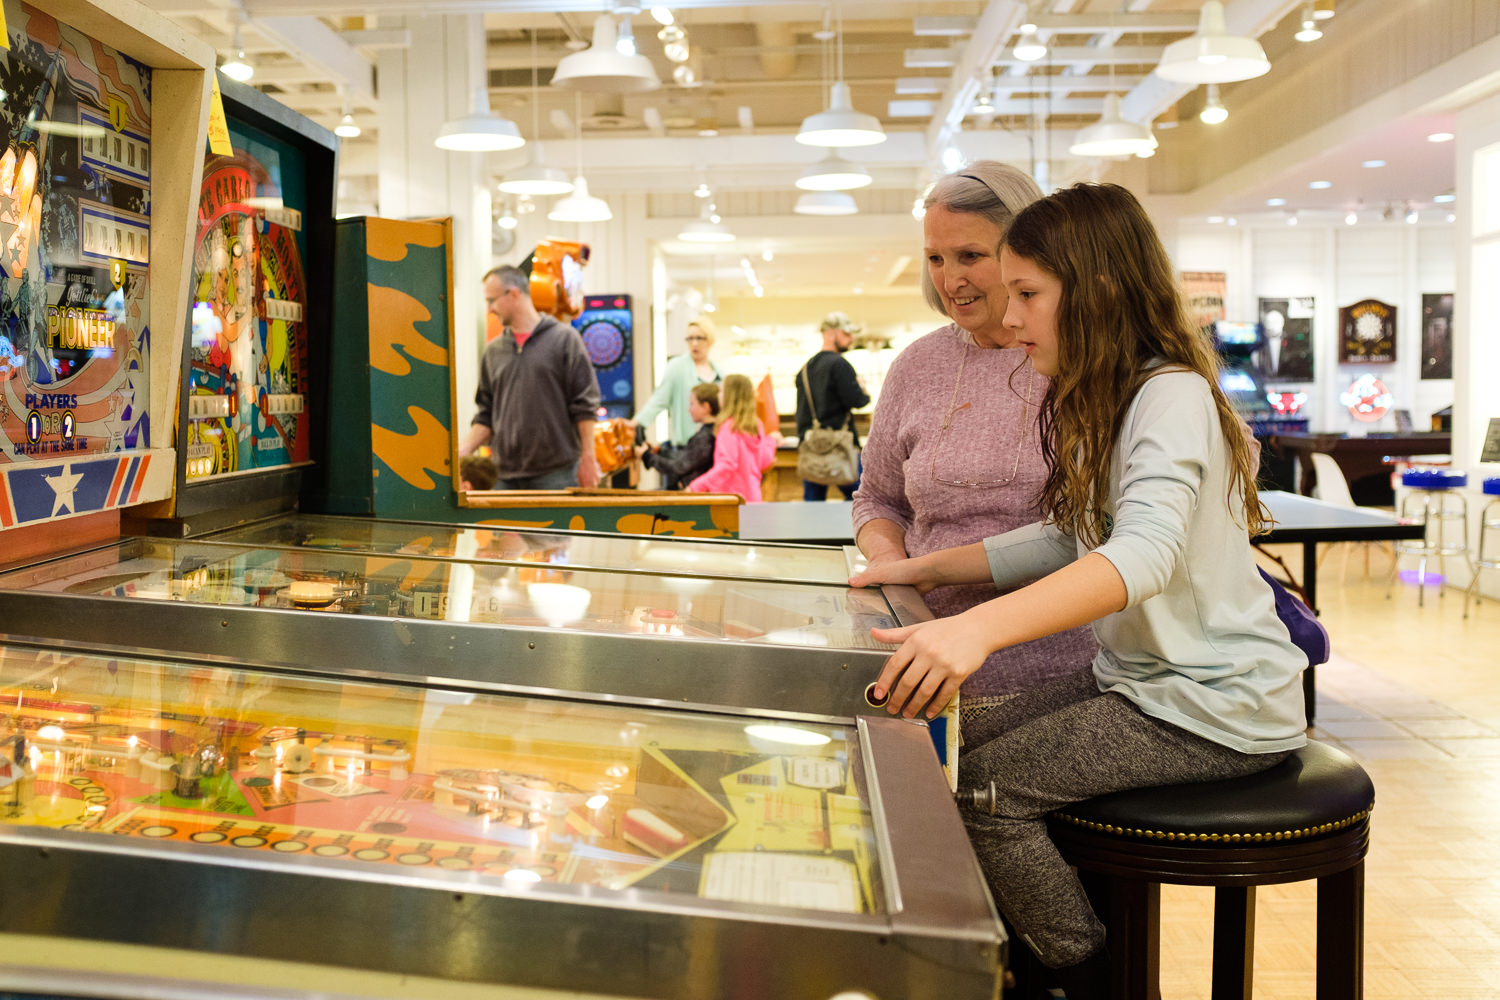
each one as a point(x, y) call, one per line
point(1214, 112)
point(834, 173)
point(840, 125)
point(1111, 135)
point(602, 66)
point(536, 178)
point(826, 203)
point(480, 131)
point(237, 67)
point(347, 128)
point(1029, 48)
point(705, 231)
point(1212, 55)
point(580, 206)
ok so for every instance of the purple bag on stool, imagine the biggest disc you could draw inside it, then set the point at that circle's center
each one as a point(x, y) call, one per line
point(1308, 634)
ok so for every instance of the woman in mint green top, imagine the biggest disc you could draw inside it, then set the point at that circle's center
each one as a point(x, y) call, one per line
point(675, 390)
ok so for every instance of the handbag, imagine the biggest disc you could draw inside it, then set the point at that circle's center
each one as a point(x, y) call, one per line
point(826, 455)
point(1307, 633)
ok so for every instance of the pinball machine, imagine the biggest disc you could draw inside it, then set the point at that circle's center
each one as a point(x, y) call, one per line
point(533, 760)
point(630, 765)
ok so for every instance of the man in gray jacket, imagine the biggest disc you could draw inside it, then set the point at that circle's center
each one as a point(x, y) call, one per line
point(537, 397)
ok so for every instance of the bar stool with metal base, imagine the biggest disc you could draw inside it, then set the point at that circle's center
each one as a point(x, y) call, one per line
point(1436, 499)
point(1489, 524)
point(1307, 817)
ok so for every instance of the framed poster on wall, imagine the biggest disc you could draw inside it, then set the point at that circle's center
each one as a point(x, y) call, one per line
point(1437, 335)
point(1367, 332)
point(1204, 294)
point(1286, 352)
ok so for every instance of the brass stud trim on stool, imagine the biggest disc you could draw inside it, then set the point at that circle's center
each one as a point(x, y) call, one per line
point(1229, 838)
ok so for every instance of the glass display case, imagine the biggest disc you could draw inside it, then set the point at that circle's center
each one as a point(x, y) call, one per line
point(731, 643)
point(544, 841)
point(560, 549)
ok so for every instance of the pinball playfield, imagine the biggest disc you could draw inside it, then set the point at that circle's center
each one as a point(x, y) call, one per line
point(522, 790)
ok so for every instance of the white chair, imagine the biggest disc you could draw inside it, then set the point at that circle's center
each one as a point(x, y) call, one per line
point(1333, 488)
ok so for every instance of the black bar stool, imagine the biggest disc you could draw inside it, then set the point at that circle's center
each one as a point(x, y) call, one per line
point(1307, 817)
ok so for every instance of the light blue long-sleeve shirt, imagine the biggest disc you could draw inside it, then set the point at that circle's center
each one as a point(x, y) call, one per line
point(1198, 643)
point(673, 393)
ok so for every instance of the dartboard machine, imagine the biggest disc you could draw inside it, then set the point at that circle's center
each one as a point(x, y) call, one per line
point(607, 327)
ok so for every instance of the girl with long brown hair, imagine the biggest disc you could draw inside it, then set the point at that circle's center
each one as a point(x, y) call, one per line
point(1149, 505)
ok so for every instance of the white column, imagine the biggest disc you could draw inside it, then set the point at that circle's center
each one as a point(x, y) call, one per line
point(1476, 302)
point(422, 86)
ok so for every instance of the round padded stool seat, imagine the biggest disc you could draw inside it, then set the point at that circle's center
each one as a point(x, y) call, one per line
point(1314, 791)
point(1433, 479)
point(1492, 486)
point(1307, 817)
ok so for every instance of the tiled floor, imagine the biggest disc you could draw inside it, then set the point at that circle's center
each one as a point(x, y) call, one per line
point(1414, 695)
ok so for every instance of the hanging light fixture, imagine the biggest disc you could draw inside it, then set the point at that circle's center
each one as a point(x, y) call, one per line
point(1309, 32)
point(1323, 10)
point(347, 128)
point(536, 177)
point(834, 173)
point(984, 104)
point(1214, 112)
point(840, 125)
point(237, 67)
point(481, 130)
point(705, 230)
point(602, 66)
point(1029, 48)
point(1212, 55)
point(826, 203)
point(1112, 135)
point(580, 206)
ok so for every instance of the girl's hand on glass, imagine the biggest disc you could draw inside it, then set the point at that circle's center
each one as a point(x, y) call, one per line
point(934, 660)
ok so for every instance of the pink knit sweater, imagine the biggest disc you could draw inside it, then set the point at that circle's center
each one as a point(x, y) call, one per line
point(739, 461)
point(911, 465)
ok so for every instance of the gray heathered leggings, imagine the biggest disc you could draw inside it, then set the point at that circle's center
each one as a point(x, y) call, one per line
point(1058, 743)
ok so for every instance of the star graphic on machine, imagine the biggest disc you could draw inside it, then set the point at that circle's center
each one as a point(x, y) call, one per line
point(114, 430)
point(63, 484)
point(7, 205)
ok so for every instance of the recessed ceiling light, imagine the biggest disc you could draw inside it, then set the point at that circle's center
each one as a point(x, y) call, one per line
point(1351, 218)
point(1440, 137)
point(1216, 219)
point(1319, 185)
point(1273, 202)
point(1372, 164)
point(1233, 221)
point(1442, 197)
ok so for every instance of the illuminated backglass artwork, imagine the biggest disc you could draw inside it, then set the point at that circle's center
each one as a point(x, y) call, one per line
point(247, 382)
point(75, 247)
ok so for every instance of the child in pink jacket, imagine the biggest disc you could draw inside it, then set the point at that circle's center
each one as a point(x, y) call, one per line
point(742, 449)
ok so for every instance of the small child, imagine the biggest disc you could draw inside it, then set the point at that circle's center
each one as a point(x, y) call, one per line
point(1150, 503)
point(742, 449)
point(680, 464)
point(477, 472)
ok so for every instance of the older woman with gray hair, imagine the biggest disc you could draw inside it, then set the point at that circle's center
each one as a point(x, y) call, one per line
point(954, 454)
